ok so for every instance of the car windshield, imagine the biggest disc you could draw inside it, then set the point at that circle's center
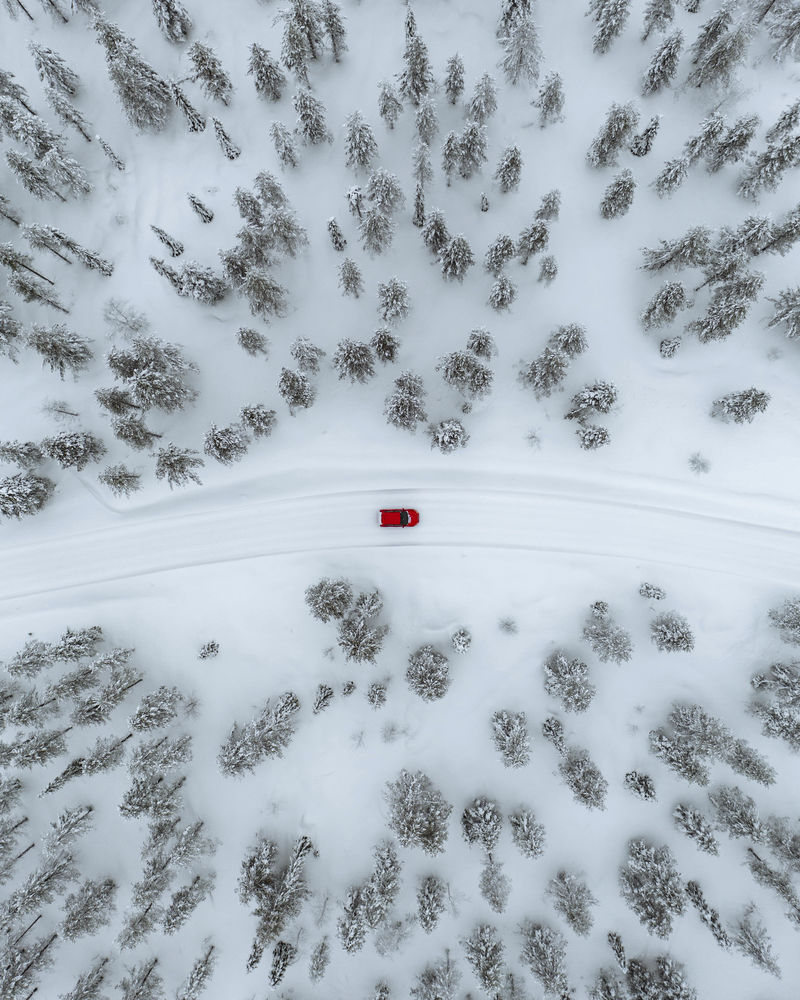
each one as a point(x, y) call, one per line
point(404, 518)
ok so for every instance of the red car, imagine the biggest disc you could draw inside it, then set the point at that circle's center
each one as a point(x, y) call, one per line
point(400, 518)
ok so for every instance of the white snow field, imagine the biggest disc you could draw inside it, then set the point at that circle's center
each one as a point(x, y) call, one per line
point(522, 530)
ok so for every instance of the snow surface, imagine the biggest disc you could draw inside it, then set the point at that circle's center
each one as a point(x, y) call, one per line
point(534, 534)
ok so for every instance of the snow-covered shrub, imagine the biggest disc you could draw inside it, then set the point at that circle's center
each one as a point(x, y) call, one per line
point(461, 640)
point(428, 674)
point(608, 640)
point(448, 435)
point(640, 785)
point(671, 633)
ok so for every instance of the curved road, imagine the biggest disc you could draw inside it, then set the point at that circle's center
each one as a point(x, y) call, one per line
point(748, 536)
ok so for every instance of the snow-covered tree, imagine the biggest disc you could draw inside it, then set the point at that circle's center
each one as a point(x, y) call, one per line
point(145, 97)
point(310, 118)
point(329, 599)
point(74, 449)
point(376, 231)
point(428, 673)
point(177, 465)
point(405, 406)
point(417, 79)
point(611, 17)
point(694, 824)
point(665, 305)
point(484, 952)
point(618, 196)
point(786, 313)
point(550, 100)
point(393, 300)
point(511, 738)
point(658, 15)
point(750, 937)
point(532, 240)
point(471, 149)
point(664, 64)
point(60, 349)
point(621, 120)
point(24, 494)
point(318, 961)
point(454, 78)
point(484, 100)
point(209, 72)
point(359, 143)
point(651, 886)
point(522, 52)
point(285, 148)
point(438, 981)
point(426, 120)
point(544, 952)
point(456, 258)
point(88, 909)
point(451, 155)
point(418, 812)
point(509, 169)
point(173, 19)
point(527, 834)
point(268, 78)
point(52, 70)
point(389, 104)
point(741, 406)
point(572, 898)
point(546, 372)
point(354, 360)
point(226, 144)
point(199, 976)
point(464, 371)
point(717, 63)
point(568, 680)
point(502, 293)
point(435, 234)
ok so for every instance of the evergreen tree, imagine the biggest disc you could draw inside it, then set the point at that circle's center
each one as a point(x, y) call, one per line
point(132, 430)
point(8, 212)
point(454, 78)
point(509, 169)
point(456, 258)
point(658, 15)
point(209, 72)
point(786, 312)
point(142, 982)
point(573, 899)
point(510, 735)
point(426, 120)
point(498, 254)
point(484, 100)
point(268, 78)
point(651, 886)
point(422, 170)
point(730, 303)
point(787, 122)
point(112, 156)
point(568, 680)
point(143, 94)
point(434, 233)
point(200, 974)
point(522, 52)
point(418, 218)
point(88, 983)
point(640, 785)
point(52, 70)
point(451, 155)
point(448, 435)
point(464, 372)
point(550, 101)
point(195, 121)
point(430, 901)
point(484, 952)
point(24, 494)
point(359, 143)
point(361, 640)
point(428, 674)
point(354, 360)
point(33, 177)
point(383, 188)
point(502, 293)
point(265, 296)
point(310, 118)
point(296, 390)
point(405, 407)
point(717, 63)
point(174, 246)
point(750, 937)
point(532, 240)
point(173, 19)
point(389, 105)
point(417, 79)
point(618, 196)
point(350, 280)
point(742, 406)
point(664, 305)
point(74, 449)
point(205, 213)
point(60, 349)
point(611, 17)
point(226, 444)
point(545, 374)
point(701, 146)
point(88, 909)
point(393, 301)
point(319, 960)
point(376, 231)
point(226, 144)
point(689, 250)
point(766, 169)
point(731, 147)
point(596, 397)
point(177, 465)
point(694, 824)
point(67, 113)
point(438, 981)
point(621, 120)
point(472, 149)
point(24, 454)
point(418, 812)
point(285, 148)
point(664, 64)
point(385, 345)
point(334, 28)
point(583, 778)
point(121, 480)
point(543, 951)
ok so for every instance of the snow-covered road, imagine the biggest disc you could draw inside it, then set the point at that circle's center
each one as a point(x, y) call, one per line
point(661, 522)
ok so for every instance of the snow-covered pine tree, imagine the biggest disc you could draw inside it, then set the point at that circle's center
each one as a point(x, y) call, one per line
point(67, 113)
point(112, 156)
point(527, 834)
point(8, 212)
point(426, 120)
point(717, 64)
point(499, 252)
point(383, 189)
point(376, 231)
point(621, 120)
point(640, 785)
point(651, 886)
point(618, 196)
point(484, 952)
point(510, 736)
point(731, 147)
point(690, 250)
point(572, 898)
point(766, 169)
point(750, 937)
point(334, 28)
point(522, 52)
point(546, 372)
point(173, 19)
point(416, 79)
point(24, 494)
point(33, 177)
point(568, 680)
point(451, 155)
point(550, 100)
point(285, 148)
point(448, 435)
point(296, 390)
point(359, 142)
point(52, 70)
point(226, 144)
point(393, 300)
point(544, 952)
point(405, 407)
point(471, 149)
point(741, 406)
point(389, 104)
point(354, 360)
point(74, 449)
point(319, 960)
point(502, 293)
point(24, 454)
point(121, 480)
point(226, 444)
point(428, 673)
point(532, 240)
point(88, 909)
point(350, 280)
point(434, 233)
point(786, 312)
point(174, 246)
point(60, 349)
point(177, 465)
point(421, 169)
point(456, 258)
point(730, 303)
point(664, 64)
point(611, 17)
point(418, 812)
point(268, 78)
point(454, 78)
point(609, 641)
point(484, 100)
point(509, 169)
point(694, 824)
point(664, 305)
point(658, 15)
point(145, 97)
point(207, 70)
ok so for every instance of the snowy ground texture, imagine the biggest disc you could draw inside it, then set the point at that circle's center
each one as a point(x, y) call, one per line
point(522, 531)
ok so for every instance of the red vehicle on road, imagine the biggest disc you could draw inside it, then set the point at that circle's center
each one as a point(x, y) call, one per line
point(400, 518)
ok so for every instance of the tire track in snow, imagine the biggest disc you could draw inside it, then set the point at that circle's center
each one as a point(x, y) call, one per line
point(624, 522)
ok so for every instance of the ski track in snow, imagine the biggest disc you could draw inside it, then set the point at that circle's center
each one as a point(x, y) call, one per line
point(752, 537)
